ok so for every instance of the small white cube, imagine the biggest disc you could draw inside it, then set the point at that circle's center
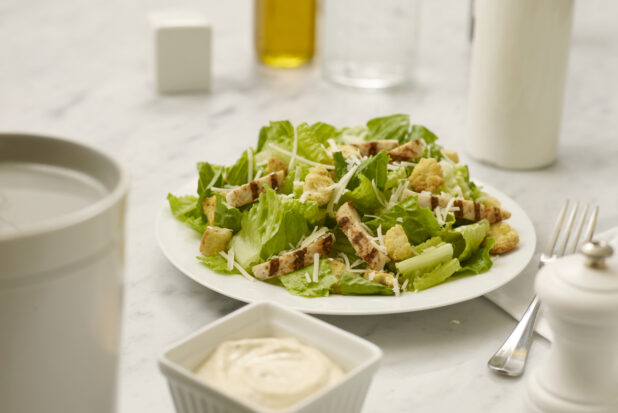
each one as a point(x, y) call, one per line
point(182, 51)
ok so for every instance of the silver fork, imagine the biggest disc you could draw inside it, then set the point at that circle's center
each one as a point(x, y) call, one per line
point(510, 359)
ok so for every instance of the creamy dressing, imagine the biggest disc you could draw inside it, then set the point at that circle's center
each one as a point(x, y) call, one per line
point(270, 372)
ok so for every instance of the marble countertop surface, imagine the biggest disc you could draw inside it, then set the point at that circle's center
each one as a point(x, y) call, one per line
point(82, 69)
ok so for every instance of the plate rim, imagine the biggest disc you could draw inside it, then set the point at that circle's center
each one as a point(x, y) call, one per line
point(165, 213)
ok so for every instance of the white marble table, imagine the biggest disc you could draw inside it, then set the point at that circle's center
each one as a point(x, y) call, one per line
point(81, 69)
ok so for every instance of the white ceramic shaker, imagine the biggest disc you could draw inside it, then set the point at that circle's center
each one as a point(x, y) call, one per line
point(519, 61)
point(580, 295)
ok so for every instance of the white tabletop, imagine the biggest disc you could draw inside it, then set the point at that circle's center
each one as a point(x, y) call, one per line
point(82, 69)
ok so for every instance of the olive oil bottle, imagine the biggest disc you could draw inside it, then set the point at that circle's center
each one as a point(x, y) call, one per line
point(284, 32)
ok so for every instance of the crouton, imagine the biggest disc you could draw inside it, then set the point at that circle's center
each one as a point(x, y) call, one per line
point(506, 237)
point(382, 277)
point(336, 267)
point(209, 205)
point(452, 155)
point(427, 175)
point(275, 165)
point(316, 186)
point(397, 246)
point(215, 240)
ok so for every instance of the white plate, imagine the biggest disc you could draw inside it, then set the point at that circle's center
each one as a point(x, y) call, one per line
point(180, 244)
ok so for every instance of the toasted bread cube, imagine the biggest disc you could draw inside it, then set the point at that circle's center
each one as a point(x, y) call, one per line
point(336, 267)
point(275, 165)
point(452, 155)
point(506, 237)
point(397, 246)
point(381, 277)
point(208, 205)
point(427, 175)
point(215, 240)
point(316, 186)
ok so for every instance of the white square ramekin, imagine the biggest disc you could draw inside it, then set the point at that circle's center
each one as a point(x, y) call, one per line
point(358, 358)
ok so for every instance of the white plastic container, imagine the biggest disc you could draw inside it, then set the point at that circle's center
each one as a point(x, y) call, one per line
point(62, 208)
point(519, 64)
point(358, 358)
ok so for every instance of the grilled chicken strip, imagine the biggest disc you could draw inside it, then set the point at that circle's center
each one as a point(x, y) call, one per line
point(248, 193)
point(350, 223)
point(294, 260)
point(470, 210)
point(406, 152)
point(371, 148)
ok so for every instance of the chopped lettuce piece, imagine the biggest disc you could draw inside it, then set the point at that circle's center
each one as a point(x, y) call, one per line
point(238, 174)
point(364, 196)
point(431, 149)
point(437, 275)
point(187, 209)
point(281, 133)
point(296, 282)
point(217, 263)
point(394, 177)
point(479, 262)
point(473, 235)
point(418, 223)
point(389, 127)
point(352, 284)
point(341, 166)
point(210, 176)
point(425, 262)
point(353, 133)
point(457, 181)
point(271, 225)
point(312, 140)
point(431, 242)
point(226, 216)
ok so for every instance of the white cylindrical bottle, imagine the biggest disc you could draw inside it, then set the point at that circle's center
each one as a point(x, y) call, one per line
point(519, 63)
point(580, 295)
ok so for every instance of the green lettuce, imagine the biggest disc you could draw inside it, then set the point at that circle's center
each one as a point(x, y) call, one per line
point(296, 282)
point(425, 262)
point(312, 139)
point(479, 261)
point(473, 235)
point(394, 177)
point(374, 168)
point(217, 263)
point(457, 181)
point(359, 132)
point(271, 225)
point(437, 275)
point(226, 216)
point(431, 149)
point(238, 174)
point(364, 197)
point(187, 209)
point(352, 284)
point(209, 176)
point(389, 127)
point(418, 223)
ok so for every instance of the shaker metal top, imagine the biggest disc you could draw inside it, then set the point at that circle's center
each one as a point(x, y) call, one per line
point(596, 252)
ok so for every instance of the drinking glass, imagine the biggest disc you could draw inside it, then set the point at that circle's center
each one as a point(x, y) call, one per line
point(369, 43)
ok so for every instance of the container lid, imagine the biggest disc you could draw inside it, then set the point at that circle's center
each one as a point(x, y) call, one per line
point(52, 195)
point(582, 285)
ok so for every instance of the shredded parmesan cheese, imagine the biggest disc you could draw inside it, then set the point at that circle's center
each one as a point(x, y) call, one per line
point(340, 189)
point(356, 263)
point(371, 275)
point(307, 277)
point(396, 286)
point(299, 158)
point(242, 271)
point(380, 237)
point(316, 266)
point(346, 261)
point(230, 259)
point(405, 284)
point(375, 190)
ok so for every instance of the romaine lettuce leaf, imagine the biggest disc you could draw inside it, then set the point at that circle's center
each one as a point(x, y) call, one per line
point(418, 223)
point(425, 262)
point(296, 282)
point(352, 284)
point(473, 235)
point(226, 216)
point(187, 209)
point(437, 275)
point(341, 166)
point(312, 141)
point(354, 132)
point(217, 263)
point(431, 149)
point(389, 127)
point(457, 181)
point(281, 133)
point(364, 197)
point(479, 262)
point(210, 175)
point(237, 174)
point(271, 225)
point(394, 177)
point(374, 168)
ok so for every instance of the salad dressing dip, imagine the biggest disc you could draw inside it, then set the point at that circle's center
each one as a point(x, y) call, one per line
point(269, 372)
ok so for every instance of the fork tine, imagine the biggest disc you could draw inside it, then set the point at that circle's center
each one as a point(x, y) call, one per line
point(557, 226)
point(580, 228)
point(569, 227)
point(592, 223)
